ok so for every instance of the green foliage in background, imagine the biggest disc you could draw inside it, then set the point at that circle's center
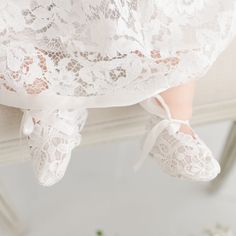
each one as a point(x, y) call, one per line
point(99, 233)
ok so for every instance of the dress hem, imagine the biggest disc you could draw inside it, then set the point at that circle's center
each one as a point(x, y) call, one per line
point(52, 101)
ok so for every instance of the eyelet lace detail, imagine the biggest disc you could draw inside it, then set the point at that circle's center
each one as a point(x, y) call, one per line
point(179, 154)
point(52, 140)
point(183, 156)
point(93, 48)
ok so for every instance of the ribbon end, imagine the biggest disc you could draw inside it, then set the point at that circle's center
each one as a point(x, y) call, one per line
point(27, 124)
point(136, 168)
point(139, 163)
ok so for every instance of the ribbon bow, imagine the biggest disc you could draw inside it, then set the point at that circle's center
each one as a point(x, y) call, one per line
point(151, 106)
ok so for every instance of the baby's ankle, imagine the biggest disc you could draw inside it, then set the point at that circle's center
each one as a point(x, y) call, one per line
point(180, 111)
point(186, 130)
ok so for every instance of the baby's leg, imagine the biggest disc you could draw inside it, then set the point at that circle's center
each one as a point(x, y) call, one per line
point(180, 102)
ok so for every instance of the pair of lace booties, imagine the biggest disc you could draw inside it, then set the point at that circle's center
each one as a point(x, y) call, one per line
point(52, 135)
point(179, 154)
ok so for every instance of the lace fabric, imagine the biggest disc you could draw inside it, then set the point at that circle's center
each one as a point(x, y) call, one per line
point(57, 55)
point(179, 154)
point(92, 48)
point(52, 140)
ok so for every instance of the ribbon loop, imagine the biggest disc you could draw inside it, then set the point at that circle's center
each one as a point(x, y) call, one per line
point(27, 124)
point(150, 141)
point(151, 106)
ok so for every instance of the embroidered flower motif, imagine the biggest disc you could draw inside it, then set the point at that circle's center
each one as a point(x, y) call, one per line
point(112, 42)
point(190, 6)
point(10, 17)
point(182, 10)
point(3, 4)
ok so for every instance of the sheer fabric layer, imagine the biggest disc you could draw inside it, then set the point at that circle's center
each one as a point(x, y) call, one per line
point(102, 48)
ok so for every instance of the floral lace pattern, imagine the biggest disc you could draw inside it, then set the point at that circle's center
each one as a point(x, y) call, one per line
point(53, 138)
point(100, 47)
point(181, 155)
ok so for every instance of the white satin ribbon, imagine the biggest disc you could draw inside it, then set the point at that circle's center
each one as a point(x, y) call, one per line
point(152, 107)
point(27, 124)
point(152, 137)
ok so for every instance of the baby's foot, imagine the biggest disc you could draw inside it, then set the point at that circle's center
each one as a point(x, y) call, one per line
point(175, 145)
point(52, 140)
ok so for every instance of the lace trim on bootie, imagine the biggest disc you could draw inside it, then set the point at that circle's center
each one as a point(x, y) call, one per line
point(51, 141)
point(179, 154)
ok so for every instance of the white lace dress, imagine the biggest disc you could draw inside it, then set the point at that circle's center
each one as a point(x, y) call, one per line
point(58, 55)
point(99, 53)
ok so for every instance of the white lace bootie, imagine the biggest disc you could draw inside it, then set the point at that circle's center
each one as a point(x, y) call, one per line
point(52, 137)
point(179, 154)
